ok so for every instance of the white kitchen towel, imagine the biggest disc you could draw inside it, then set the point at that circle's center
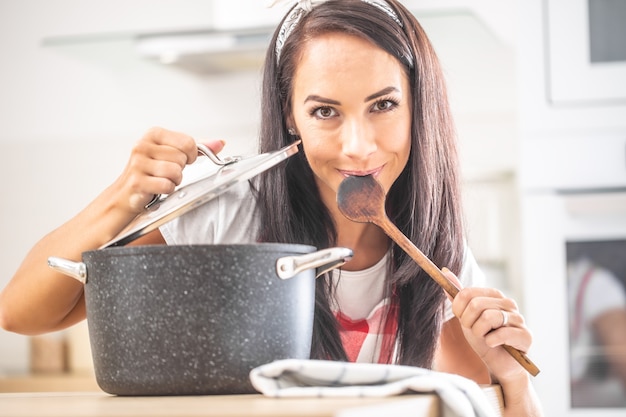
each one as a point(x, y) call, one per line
point(461, 397)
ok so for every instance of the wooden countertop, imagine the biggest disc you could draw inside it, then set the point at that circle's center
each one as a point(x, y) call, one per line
point(85, 404)
point(48, 382)
point(92, 402)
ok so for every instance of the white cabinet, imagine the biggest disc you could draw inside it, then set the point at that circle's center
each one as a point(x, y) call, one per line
point(572, 110)
point(574, 161)
point(243, 14)
point(555, 95)
point(586, 51)
point(73, 18)
point(101, 19)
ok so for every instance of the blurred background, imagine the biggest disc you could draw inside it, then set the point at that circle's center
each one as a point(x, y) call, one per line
point(538, 89)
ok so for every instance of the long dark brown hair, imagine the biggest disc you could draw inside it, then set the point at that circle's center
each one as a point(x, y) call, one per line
point(424, 201)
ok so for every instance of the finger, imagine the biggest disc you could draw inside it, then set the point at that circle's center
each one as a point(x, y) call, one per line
point(499, 326)
point(472, 301)
point(518, 337)
point(146, 176)
point(154, 154)
point(149, 159)
point(165, 175)
point(493, 319)
point(179, 141)
point(453, 278)
point(489, 316)
point(151, 186)
point(505, 318)
point(215, 145)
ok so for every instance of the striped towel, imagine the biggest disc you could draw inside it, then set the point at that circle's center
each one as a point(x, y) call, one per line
point(461, 397)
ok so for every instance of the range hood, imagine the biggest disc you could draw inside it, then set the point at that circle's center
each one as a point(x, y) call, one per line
point(210, 51)
point(207, 51)
point(234, 34)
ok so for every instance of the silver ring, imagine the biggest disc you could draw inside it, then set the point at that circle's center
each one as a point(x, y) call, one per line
point(505, 318)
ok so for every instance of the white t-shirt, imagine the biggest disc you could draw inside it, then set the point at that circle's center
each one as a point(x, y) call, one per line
point(232, 218)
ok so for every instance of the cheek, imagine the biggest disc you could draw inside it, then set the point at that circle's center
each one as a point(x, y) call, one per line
point(315, 152)
point(399, 144)
point(397, 139)
point(319, 144)
point(404, 138)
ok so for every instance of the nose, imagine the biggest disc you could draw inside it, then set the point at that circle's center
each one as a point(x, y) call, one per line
point(358, 139)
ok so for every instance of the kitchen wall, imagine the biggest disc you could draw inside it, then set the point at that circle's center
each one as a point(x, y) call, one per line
point(71, 113)
point(75, 97)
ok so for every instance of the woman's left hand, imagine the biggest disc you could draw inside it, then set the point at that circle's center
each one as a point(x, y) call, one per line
point(490, 320)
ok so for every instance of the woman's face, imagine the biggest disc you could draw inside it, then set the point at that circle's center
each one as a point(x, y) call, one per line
point(351, 106)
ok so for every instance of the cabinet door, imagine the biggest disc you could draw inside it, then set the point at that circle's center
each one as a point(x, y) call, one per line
point(586, 51)
point(70, 19)
point(242, 14)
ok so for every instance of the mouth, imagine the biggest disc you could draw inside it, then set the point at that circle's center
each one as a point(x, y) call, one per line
point(361, 173)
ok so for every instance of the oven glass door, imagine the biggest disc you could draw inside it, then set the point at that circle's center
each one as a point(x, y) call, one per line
point(596, 288)
point(574, 273)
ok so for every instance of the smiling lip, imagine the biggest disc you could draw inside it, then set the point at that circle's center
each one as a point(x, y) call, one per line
point(373, 172)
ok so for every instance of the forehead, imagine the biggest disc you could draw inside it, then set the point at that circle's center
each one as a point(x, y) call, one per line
point(335, 60)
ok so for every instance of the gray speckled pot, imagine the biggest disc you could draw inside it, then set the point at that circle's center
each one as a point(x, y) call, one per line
point(183, 320)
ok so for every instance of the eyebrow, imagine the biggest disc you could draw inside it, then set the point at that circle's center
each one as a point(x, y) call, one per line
point(384, 91)
point(315, 97)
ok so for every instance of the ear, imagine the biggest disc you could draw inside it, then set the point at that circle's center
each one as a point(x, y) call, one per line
point(291, 126)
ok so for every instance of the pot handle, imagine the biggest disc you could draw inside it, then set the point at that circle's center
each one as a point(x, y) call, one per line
point(323, 260)
point(76, 270)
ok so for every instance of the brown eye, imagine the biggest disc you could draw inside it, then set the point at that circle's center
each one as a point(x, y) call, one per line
point(383, 105)
point(324, 112)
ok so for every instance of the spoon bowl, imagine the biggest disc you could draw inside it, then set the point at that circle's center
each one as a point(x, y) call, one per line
point(362, 200)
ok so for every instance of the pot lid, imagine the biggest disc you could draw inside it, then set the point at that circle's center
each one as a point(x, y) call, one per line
point(188, 197)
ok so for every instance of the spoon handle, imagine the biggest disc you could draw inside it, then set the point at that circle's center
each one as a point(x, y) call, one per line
point(435, 273)
point(422, 260)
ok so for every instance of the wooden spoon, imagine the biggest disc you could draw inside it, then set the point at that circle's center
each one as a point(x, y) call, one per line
point(362, 200)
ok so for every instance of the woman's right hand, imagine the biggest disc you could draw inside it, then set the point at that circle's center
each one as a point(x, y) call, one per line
point(156, 167)
point(39, 299)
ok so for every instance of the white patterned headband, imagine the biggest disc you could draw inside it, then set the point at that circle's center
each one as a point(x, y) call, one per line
point(305, 6)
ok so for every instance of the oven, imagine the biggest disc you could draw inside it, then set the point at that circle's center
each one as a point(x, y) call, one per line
point(572, 184)
point(573, 194)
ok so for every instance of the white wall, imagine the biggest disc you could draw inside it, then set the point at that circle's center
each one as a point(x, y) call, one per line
point(70, 113)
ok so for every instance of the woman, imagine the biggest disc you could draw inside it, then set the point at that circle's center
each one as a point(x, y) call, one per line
point(358, 82)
